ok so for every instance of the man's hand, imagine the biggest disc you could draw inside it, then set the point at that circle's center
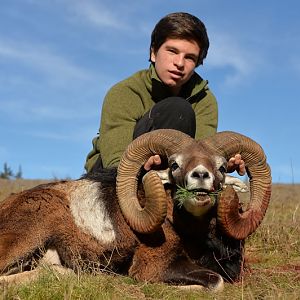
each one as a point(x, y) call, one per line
point(236, 164)
point(151, 162)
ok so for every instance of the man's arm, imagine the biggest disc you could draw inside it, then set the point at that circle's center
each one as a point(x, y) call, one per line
point(206, 111)
point(120, 112)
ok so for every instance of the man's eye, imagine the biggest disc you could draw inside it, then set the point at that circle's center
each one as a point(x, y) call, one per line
point(172, 50)
point(192, 58)
point(174, 166)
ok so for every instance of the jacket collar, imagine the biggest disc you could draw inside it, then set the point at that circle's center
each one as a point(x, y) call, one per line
point(160, 91)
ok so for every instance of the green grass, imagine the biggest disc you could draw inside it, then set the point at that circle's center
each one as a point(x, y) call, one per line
point(272, 252)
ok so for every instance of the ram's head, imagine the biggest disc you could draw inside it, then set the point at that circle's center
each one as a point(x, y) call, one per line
point(198, 169)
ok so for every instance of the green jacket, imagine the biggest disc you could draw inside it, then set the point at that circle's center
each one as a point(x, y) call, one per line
point(127, 101)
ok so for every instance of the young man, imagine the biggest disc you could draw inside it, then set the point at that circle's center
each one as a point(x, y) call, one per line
point(170, 94)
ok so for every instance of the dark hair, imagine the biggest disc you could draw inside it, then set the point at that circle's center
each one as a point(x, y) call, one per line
point(180, 25)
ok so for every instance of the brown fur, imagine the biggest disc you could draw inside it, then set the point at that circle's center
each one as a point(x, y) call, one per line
point(38, 219)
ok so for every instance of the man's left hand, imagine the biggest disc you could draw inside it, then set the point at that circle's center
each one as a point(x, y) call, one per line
point(236, 164)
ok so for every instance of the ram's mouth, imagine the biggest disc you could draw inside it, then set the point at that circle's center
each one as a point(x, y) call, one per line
point(198, 199)
point(203, 199)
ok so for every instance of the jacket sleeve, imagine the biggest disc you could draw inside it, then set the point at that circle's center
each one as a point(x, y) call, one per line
point(121, 109)
point(206, 112)
point(93, 155)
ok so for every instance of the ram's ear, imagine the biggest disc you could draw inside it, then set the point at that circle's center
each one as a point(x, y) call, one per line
point(237, 184)
point(164, 175)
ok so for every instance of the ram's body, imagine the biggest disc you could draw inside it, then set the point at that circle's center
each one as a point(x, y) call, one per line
point(86, 225)
point(81, 220)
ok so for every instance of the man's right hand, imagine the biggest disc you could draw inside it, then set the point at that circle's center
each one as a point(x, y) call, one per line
point(154, 160)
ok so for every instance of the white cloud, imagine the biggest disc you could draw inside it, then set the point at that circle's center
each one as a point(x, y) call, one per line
point(98, 15)
point(43, 59)
point(80, 135)
point(226, 52)
point(32, 111)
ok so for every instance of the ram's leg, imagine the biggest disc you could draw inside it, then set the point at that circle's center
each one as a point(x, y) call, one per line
point(28, 222)
point(224, 256)
point(24, 277)
point(163, 260)
point(155, 252)
point(18, 252)
point(49, 261)
point(166, 265)
point(185, 273)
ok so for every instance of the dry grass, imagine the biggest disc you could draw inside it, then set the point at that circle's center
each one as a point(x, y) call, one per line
point(273, 259)
point(13, 186)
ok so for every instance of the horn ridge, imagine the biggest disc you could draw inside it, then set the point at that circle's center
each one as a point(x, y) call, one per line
point(237, 224)
point(164, 142)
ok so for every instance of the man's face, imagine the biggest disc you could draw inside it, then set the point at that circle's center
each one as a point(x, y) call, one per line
point(175, 62)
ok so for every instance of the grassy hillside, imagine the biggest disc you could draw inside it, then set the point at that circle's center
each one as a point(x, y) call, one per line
point(13, 186)
point(273, 257)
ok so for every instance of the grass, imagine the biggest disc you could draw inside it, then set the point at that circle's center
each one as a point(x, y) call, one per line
point(272, 252)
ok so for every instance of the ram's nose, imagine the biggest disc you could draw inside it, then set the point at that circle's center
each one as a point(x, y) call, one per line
point(199, 178)
point(200, 175)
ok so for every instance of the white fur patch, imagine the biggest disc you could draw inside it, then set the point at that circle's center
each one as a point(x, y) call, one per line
point(193, 182)
point(236, 183)
point(51, 257)
point(220, 160)
point(90, 214)
point(179, 158)
point(164, 176)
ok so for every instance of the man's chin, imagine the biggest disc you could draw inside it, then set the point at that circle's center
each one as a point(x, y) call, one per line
point(175, 87)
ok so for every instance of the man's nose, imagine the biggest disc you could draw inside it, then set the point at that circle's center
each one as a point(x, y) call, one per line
point(179, 61)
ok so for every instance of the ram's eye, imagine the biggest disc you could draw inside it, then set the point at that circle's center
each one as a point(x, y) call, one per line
point(222, 169)
point(174, 166)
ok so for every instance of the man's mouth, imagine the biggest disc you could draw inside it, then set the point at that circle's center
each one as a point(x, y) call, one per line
point(176, 74)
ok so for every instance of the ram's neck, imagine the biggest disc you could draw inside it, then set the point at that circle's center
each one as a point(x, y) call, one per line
point(189, 226)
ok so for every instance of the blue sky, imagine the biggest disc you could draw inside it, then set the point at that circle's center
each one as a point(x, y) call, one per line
point(59, 57)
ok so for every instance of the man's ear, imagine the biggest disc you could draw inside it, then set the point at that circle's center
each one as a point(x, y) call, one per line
point(152, 56)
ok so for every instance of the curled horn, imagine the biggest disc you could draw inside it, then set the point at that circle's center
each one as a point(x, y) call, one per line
point(164, 142)
point(234, 223)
